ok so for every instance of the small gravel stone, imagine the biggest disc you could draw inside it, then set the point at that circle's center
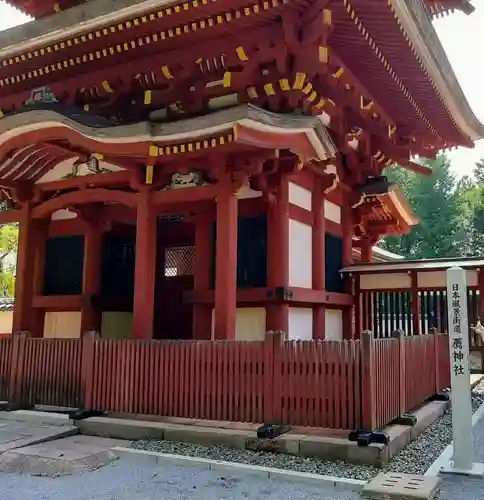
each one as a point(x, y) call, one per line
point(416, 458)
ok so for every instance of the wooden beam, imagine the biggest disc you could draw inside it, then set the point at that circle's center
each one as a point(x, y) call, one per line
point(10, 216)
point(59, 302)
point(83, 197)
point(185, 195)
point(81, 182)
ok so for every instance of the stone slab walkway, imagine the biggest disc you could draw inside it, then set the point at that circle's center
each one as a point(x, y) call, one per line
point(17, 434)
point(71, 455)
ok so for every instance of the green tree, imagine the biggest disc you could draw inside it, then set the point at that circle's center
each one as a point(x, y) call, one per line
point(8, 250)
point(435, 201)
point(470, 194)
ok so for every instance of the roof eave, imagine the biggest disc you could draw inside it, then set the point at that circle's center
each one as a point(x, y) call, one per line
point(416, 23)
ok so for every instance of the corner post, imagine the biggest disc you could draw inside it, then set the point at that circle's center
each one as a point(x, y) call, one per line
point(91, 281)
point(28, 242)
point(38, 314)
point(88, 348)
point(144, 274)
point(16, 382)
point(368, 381)
point(202, 313)
point(273, 344)
point(400, 336)
point(277, 313)
point(226, 263)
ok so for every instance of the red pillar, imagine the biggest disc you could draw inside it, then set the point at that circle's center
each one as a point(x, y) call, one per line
point(144, 274)
point(366, 250)
point(28, 239)
point(347, 227)
point(318, 260)
point(226, 264)
point(91, 282)
point(277, 314)
point(202, 313)
point(41, 230)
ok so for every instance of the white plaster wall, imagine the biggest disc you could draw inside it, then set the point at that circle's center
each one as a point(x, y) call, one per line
point(333, 324)
point(6, 321)
point(117, 325)
point(62, 325)
point(300, 196)
point(300, 254)
point(250, 323)
point(332, 211)
point(300, 323)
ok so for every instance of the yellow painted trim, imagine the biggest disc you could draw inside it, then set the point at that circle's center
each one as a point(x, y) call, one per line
point(153, 150)
point(147, 99)
point(241, 54)
point(299, 81)
point(323, 55)
point(177, 30)
point(269, 89)
point(107, 87)
point(149, 174)
point(165, 71)
point(227, 80)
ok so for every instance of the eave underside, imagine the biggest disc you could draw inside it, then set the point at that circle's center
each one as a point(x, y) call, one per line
point(404, 101)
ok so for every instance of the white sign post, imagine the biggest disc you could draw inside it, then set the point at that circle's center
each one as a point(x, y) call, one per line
point(463, 458)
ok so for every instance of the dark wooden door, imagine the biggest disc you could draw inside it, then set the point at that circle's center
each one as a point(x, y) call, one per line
point(174, 276)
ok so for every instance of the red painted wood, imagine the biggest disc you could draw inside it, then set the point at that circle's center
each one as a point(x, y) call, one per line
point(415, 303)
point(226, 264)
point(277, 315)
point(347, 227)
point(47, 371)
point(91, 281)
point(144, 288)
point(6, 346)
point(318, 260)
point(334, 385)
point(202, 313)
point(31, 235)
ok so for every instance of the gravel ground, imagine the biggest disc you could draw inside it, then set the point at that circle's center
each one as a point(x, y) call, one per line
point(127, 481)
point(416, 458)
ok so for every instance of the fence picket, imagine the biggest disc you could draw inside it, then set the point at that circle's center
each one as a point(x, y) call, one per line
point(340, 385)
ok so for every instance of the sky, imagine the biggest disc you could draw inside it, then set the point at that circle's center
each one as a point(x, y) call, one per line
point(463, 40)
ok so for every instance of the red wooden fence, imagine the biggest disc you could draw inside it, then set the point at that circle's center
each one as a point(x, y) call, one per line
point(339, 385)
point(401, 373)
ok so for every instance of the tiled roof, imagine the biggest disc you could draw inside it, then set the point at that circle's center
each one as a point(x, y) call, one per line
point(6, 303)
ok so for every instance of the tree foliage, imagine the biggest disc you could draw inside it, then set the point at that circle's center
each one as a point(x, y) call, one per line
point(8, 250)
point(436, 202)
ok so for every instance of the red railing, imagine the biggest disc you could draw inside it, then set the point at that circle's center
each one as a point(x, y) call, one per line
point(45, 371)
point(338, 385)
point(399, 374)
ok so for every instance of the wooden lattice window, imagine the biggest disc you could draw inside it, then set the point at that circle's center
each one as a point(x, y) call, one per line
point(179, 261)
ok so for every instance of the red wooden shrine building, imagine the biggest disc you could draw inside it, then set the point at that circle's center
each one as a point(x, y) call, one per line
point(204, 169)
